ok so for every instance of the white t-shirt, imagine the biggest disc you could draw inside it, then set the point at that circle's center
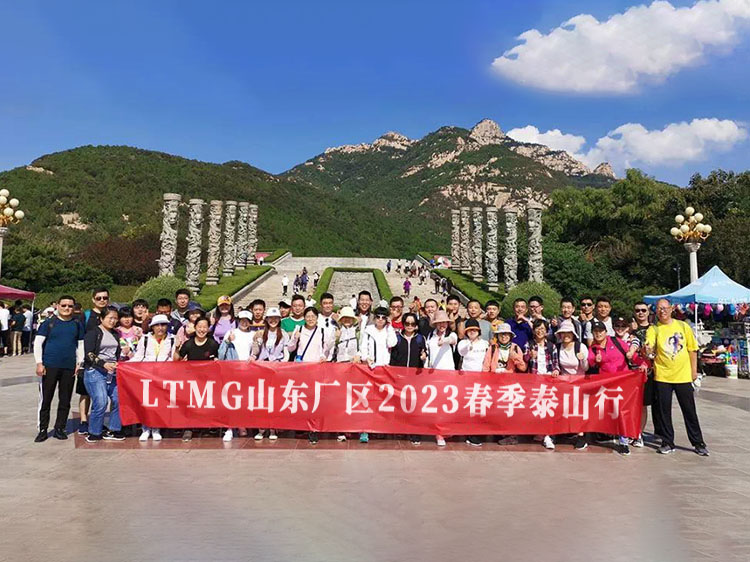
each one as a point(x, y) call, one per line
point(473, 354)
point(441, 356)
point(27, 323)
point(4, 318)
point(569, 363)
point(541, 359)
point(243, 344)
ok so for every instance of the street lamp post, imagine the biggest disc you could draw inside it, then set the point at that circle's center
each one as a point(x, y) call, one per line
point(691, 232)
point(9, 214)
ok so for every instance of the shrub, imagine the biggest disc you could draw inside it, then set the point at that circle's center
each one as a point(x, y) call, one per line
point(163, 287)
point(469, 287)
point(529, 289)
point(128, 260)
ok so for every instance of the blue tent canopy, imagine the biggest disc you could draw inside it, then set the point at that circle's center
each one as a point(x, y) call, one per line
point(714, 287)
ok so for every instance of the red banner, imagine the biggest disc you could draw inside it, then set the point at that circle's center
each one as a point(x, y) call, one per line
point(336, 397)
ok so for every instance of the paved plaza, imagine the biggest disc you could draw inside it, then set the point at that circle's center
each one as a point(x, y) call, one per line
point(386, 500)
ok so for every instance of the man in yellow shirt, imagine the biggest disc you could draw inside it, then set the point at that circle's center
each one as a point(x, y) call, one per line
point(672, 346)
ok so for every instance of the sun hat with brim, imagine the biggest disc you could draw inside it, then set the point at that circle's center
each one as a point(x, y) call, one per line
point(347, 312)
point(440, 316)
point(246, 314)
point(471, 324)
point(223, 299)
point(272, 312)
point(158, 319)
point(566, 327)
point(503, 328)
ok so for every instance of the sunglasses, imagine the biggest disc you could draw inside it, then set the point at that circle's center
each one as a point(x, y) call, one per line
point(64, 306)
point(101, 298)
point(410, 323)
point(587, 304)
point(381, 317)
point(641, 309)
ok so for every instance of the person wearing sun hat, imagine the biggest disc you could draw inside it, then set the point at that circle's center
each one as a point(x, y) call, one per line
point(346, 349)
point(440, 345)
point(503, 356)
point(572, 354)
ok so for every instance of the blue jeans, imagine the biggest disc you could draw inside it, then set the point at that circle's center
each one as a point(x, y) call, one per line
point(102, 389)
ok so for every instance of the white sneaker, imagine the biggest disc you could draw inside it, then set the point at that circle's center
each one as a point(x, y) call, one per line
point(144, 436)
point(272, 435)
point(440, 440)
point(341, 437)
point(259, 435)
point(156, 434)
point(548, 443)
point(228, 435)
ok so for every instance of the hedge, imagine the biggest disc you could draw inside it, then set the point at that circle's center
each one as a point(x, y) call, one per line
point(229, 285)
point(469, 287)
point(156, 288)
point(529, 289)
point(273, 255)
point(121, 294)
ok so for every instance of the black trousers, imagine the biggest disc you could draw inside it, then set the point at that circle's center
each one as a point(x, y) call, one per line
point(65, 378)
point(686, 400)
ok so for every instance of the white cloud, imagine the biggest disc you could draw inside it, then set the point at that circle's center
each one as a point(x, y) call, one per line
point(555, 138)
point(632, 145)
point(676, 144)
point(642, 44)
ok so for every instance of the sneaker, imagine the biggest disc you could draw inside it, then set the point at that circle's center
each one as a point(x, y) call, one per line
point(259, 436)
point(41, 436)
point(312, 437)
point(272, 435)
point(509, 440)
point(228, 436)
point(547, 443)
point(60, 434)
point(91, 438)
point(637, 442)
point(473, 440)
point(701, 450)
point(415, 440)
point(145, 434)
point(665, 449)
point(603, 438)
point(580, 443)
point(156, 434)
point(83, 428)
point(622, 449)
point(440, 440)
point(187, 435)
point(341, 437)
point(364, 438)
point(113, 435)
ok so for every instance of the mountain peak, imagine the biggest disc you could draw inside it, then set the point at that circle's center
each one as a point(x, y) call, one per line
point(393, 139)
point(487, 132)
point(605, 169)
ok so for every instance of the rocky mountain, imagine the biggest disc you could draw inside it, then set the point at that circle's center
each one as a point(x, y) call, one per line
point(445, 168)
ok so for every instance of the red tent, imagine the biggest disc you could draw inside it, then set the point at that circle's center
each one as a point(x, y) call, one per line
point(9, 293)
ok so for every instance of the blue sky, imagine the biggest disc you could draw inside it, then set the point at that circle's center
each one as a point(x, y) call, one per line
point(273, 84)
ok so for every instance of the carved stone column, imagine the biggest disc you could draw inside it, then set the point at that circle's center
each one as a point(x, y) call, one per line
point(230, 234)
point(252, 234)
point(476, 246)
point(241, 244)
point(194, 240)
point(465, 240)
point(490, 255)
point(213, 260)
point(510, 260)
point(456, 240)
point(170, 214)
point(536, 265)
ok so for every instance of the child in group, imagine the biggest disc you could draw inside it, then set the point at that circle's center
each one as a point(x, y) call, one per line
point(128, 333)
point(187, 330)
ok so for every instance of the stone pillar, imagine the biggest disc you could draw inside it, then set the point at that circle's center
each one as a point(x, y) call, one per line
point(241, 245)
point(536, 264)
point(194, 240)
point(456, 240)
point(170, 213)
point(510, 260)
point(214, 242)
point(490, 255)
point(465, 240)
point(230, 234)
point(476, 245)
point(252, 234)
point(692, 248)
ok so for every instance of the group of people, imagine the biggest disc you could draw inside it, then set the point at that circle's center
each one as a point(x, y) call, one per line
point(300, 283)
point(16, 323)
point(83, 350)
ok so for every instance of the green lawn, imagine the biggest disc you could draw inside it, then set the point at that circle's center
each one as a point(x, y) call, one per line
point(469, 287)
